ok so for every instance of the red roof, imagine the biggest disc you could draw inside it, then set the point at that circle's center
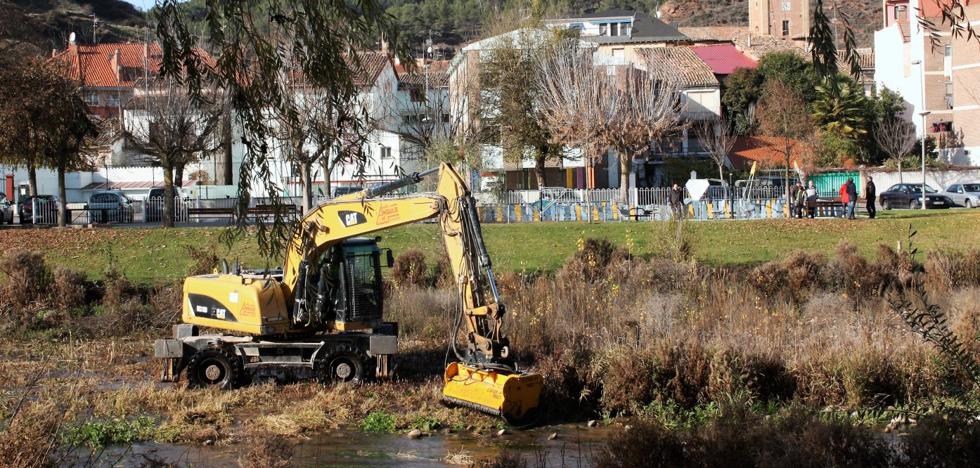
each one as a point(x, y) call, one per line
point(765, 150)
point(723, 59)
point(97, 66)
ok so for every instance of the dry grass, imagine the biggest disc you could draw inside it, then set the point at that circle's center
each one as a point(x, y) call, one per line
point(612, 333)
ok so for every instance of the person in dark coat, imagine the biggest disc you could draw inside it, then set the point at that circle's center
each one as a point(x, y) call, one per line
point(677, 201)
point(870, 194)
point(851, 197)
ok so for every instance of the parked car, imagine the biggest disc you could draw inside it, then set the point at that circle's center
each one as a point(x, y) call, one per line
point(110, 206)
point(47, 209)
point(910, 196)
point(6, 211)
point(153, 205)
point(967, 195)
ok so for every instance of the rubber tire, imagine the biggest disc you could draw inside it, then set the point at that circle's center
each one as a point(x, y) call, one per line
point(968, 204)
point(231, 368)
point(330, 370)
point(886, 205)
point(914, 205)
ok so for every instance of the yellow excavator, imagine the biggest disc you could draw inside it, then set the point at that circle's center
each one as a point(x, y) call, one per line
point(321, 315)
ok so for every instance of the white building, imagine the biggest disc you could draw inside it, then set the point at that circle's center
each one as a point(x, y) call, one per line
point(936, 74)
point(617, 38)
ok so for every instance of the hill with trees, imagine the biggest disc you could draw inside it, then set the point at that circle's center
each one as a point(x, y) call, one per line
point(46, 24)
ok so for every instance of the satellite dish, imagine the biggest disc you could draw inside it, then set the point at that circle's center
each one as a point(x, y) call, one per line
point(71, 38)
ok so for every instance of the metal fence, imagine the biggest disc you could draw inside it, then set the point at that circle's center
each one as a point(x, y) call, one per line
point(604, 205)
point(598, 205)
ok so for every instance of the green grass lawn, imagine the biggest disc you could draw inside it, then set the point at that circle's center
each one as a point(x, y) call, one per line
point(148, 255)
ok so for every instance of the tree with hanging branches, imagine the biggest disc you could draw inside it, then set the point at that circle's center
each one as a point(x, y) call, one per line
point(247, 39)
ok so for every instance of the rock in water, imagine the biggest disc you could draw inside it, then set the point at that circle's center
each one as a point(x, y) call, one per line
point(415, 434)
point(553, 436)
point(501, 432)
point(593, 423)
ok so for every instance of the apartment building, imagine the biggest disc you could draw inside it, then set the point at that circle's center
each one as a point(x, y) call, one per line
point(934, 73)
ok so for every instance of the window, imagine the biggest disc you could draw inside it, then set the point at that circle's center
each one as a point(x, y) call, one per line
point(949, 94)
point(613, 29)
point(385, 152)
point(786, 27)
point(91, 99)
point(948, 51)
point(603, 29)
point(787, 6)
point(619, 53)
point(901, 11)
point(625, 29)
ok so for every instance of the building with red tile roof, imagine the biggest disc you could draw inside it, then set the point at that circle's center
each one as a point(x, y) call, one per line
point(723, 59)
point(109, 73)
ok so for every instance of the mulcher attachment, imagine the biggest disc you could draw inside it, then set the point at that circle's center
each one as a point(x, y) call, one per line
point(509, 395)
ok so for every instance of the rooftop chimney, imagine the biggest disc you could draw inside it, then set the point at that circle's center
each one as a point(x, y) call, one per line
point(115, 65)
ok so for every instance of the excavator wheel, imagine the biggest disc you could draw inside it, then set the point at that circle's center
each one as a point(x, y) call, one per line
point(339, 367)
point(214, 368)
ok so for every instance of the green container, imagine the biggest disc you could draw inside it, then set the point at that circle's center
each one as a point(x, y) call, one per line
point(828, 183)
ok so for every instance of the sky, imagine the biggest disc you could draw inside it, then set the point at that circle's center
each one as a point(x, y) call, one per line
point(142, 4)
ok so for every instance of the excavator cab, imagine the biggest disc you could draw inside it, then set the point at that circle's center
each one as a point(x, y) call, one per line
point(343, 289)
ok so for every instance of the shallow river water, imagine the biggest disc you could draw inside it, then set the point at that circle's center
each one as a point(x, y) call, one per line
point(575, 445)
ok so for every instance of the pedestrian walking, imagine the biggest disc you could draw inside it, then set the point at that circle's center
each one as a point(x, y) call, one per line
point(851, 197)
point(799, 204)
point(677, 201)
point(870, 195)
point(811, 200)
point(843, 200)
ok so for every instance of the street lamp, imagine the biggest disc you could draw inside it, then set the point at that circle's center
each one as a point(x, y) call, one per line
point(923, 113)
point(923, 145)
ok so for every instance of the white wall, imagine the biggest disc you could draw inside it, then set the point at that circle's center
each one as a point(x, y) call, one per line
point(938, 180)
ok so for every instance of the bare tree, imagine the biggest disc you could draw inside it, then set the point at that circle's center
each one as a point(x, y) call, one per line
point(590, 107)
point(781, 114)
point(718, 137)
point(896, 136)
point(173, 130)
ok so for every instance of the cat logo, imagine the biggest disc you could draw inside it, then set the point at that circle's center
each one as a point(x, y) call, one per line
point(352, 218)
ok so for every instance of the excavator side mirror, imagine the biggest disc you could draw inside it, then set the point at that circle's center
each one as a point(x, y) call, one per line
point(389, 258)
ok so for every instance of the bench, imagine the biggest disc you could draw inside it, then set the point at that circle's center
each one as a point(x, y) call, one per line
point(210, 212)
point(271, 210)
point(825, 207)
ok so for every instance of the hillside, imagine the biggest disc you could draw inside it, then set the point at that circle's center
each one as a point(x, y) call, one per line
point(865, 15)
point(46, 24)
point(456, 21)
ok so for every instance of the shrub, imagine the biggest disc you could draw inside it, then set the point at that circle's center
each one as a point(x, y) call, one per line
point(590, 260)
point(68, 289)
point(378, 422)
point(27, 283)
point(410, 269)
point(793, 279)
point(203, 260)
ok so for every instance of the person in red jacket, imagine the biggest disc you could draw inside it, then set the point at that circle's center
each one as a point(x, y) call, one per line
point(844, 200)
